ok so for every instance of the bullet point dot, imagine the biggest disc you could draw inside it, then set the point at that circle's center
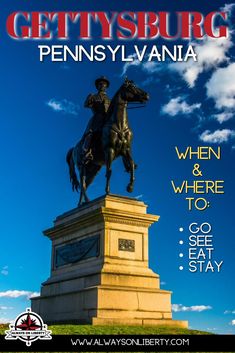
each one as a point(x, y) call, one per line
point(181, 268)
point(181, 229)
point(181, 254)
point(181, 242)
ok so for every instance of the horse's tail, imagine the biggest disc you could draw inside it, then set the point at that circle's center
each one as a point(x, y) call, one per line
point(72, 172)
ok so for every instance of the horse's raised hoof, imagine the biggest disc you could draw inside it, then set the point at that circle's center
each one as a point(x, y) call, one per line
point(129, 188)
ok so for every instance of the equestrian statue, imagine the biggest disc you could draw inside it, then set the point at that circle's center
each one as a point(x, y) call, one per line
point(107, 136)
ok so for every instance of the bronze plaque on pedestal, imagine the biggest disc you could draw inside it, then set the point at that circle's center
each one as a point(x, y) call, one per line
point(77, 251)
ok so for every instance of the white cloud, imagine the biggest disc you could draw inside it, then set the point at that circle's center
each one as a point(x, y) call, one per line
point(134, 62)
point(228, 8)
point(229, 312)
point(221, 87)
point(198, 308)
point(4, 320)
point(150, 67)
point(218, 136)
point(63, 106)
point(139, 197)
point(148, 80)
point(177, 106)
point(18, 293)
point(5, 271)
point(33, 295)
point(211, 52)
point(233, 322)
point(6, 307)
point(222, 117)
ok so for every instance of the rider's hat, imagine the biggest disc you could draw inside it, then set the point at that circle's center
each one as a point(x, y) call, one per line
point(101, 78)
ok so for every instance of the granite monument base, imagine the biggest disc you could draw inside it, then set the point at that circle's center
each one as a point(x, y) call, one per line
point(99, 269)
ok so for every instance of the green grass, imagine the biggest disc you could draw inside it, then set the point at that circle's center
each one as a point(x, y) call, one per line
point(120, 330)
point(116, 330)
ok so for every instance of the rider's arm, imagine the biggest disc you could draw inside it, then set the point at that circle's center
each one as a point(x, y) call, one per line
point(89, 101)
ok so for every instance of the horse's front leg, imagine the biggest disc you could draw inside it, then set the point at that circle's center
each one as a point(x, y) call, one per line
point(83, 194)
point(109, 157)
point(128, 161)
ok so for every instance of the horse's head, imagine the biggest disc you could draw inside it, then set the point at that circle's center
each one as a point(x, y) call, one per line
point(131, 93)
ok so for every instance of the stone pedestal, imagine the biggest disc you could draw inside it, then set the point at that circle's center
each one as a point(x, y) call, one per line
point(99, 269)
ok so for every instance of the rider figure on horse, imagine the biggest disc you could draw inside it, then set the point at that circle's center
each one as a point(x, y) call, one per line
point(99, 104)
point(107, 137)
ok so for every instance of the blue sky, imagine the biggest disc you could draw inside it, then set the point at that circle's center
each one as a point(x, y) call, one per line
point(42, 116)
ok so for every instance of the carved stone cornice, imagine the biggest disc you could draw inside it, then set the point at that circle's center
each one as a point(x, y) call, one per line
point(101, 213)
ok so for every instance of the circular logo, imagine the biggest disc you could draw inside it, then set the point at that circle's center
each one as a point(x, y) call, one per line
point(28, 327)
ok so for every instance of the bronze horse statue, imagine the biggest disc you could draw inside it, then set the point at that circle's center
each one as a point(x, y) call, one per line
point(114, 141)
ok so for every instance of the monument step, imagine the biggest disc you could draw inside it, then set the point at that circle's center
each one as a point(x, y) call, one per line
point(137, 322)
point(62, 284)
point(132, 314)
